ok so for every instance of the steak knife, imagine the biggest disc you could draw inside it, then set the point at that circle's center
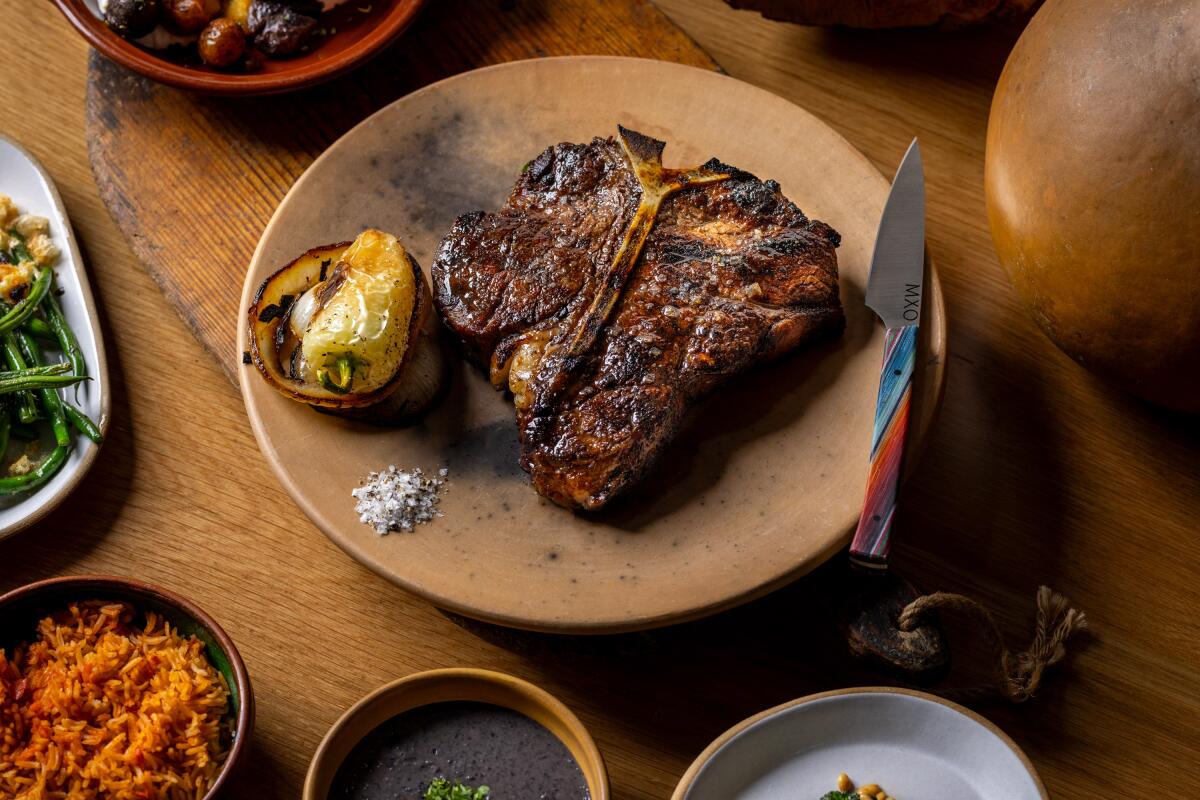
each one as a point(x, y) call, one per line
point(894, 291)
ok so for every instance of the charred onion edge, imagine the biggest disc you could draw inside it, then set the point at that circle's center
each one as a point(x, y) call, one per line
point(278, 381)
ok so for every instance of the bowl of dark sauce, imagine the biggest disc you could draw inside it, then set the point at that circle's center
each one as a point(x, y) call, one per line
point(473, 726)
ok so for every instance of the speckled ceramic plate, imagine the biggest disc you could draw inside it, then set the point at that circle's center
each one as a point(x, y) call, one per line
point(911, 744)
point(763, 484)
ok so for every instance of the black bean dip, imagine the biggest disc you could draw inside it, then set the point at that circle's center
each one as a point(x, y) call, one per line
point(478, 743)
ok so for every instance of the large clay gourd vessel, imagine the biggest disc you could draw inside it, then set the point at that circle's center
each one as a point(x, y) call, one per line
point(1093, 187)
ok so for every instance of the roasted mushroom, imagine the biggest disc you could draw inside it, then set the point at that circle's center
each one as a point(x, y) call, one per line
point(132, 19)
point(281, 28)
point(349, 329)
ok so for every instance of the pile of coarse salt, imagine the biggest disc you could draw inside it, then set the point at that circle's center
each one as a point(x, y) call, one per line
point(395, 500)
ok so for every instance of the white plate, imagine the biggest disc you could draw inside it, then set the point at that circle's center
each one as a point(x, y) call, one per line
point(24, 180)
point(914, 745)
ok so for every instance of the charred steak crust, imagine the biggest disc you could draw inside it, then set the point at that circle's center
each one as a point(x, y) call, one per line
point(731, 275)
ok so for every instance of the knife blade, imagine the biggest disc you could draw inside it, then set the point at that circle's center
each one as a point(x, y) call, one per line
point(894, 291)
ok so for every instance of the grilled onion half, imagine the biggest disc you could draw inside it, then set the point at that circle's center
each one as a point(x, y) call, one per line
point(349, 329)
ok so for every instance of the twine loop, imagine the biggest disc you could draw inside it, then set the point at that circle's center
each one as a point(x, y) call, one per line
point(1018, 674)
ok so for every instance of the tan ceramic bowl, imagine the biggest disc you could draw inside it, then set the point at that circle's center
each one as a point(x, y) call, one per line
point(444, 685)
point(338, 53)
point(21, 608)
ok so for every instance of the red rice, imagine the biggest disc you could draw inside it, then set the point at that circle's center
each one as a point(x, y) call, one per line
point(99, 709)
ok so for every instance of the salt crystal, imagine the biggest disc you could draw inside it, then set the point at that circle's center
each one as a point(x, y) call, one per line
point(395, 500)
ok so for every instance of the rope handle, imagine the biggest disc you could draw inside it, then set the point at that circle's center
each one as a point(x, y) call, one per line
point(1018, 675)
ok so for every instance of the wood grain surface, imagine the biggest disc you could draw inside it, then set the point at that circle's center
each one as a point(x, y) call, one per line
point(1036, 474)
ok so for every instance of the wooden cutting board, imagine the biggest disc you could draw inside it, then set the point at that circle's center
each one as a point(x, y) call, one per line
point(191, 181)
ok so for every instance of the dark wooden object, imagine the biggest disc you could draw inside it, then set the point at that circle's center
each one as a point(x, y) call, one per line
point(868, 616)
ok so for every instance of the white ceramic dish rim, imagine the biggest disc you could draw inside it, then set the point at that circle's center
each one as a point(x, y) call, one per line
point(714, 750)
point(79, 307)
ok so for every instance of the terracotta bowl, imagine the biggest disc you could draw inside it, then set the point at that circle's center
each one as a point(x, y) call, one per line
point(445, 685)
point(21, 608)
point(337, 53)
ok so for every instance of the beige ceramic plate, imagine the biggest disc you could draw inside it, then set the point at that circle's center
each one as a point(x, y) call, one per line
point(765, 482)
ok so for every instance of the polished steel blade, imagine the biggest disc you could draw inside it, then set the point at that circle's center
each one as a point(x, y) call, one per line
point(897, 268)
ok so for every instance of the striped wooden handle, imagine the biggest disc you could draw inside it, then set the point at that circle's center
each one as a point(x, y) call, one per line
point(872, 540)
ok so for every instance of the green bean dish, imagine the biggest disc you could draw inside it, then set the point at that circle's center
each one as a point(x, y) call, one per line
point(37, 422)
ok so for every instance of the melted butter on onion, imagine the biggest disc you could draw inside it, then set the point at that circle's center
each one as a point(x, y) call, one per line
point(362, 326)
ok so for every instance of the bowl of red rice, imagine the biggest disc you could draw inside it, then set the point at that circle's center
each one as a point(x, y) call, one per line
point(114, 689)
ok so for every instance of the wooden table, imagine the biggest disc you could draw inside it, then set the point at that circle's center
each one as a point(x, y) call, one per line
point(1036, 474)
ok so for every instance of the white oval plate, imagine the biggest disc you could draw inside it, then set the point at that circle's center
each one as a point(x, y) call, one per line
point(29, 185)
point(915, 746)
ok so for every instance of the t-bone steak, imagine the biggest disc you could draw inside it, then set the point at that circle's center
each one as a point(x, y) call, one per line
point(610, 292)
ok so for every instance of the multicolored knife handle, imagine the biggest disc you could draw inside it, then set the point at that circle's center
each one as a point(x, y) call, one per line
point(872, 540)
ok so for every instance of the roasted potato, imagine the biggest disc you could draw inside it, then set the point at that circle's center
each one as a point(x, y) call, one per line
point(185, 16)
point(132, 19)
point(279, 29)
point(221, 43)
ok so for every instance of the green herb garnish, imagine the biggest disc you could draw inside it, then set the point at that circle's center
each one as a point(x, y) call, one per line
point(442, 789)
point(840, 796)
point(339, 382)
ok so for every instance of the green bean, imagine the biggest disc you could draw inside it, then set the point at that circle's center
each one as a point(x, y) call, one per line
point(43, 472)
point(27, 410)
point(66, 337)
point(36, 325)
point(82, 423)
point(25, 308)
point(26, 374)
point(40, 329)
point(51, 402)
point(61, 368)
point(28, 382)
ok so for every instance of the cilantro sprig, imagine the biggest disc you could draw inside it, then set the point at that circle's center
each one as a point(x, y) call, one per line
point(442, 789)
